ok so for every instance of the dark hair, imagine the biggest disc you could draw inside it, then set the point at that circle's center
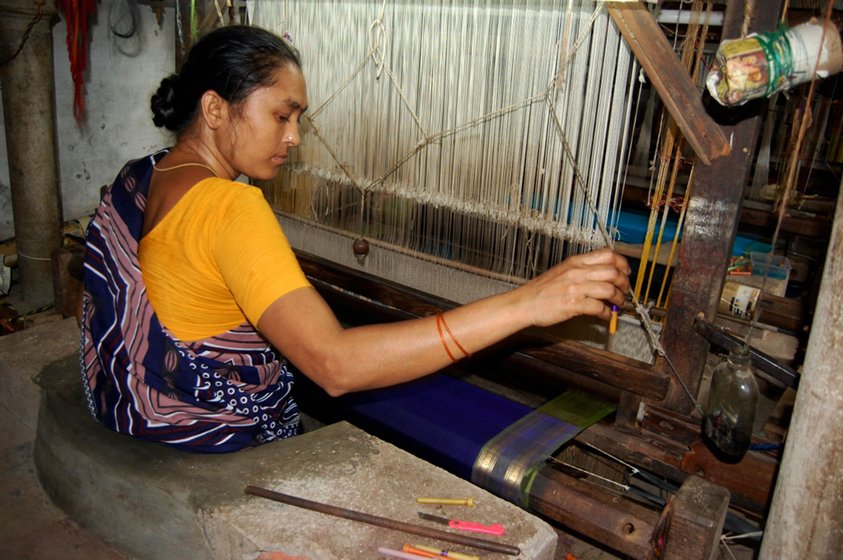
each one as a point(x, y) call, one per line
point(233, 61)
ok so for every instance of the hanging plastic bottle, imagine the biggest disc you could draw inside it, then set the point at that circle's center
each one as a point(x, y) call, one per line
point(731, 406)
point(762, 64)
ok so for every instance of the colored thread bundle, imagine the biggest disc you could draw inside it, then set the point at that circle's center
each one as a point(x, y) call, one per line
point(77, 13)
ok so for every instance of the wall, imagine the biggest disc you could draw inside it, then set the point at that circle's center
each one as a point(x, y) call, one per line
point(122, 75)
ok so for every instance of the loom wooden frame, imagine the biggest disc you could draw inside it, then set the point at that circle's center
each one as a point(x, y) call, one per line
point(663, 439)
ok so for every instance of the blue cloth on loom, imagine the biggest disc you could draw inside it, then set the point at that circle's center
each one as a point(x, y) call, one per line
point(439, 418)
point(632, 228)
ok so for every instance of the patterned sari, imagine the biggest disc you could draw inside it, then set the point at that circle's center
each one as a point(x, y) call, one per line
point(218, 394)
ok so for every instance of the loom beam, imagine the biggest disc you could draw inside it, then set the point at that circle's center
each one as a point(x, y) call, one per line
point(669, 446)
point(688, 527)
point(620, 524)
point(724, 339)
point(679, 94)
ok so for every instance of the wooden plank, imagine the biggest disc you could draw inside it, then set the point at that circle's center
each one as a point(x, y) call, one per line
point(817, 227)
point(752, 478)
point(782, 312)
point(618, 523)
point(678, 93)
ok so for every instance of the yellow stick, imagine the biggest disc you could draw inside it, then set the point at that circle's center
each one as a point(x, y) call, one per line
point(446, 553)
point(613, 322)
point(447, 501)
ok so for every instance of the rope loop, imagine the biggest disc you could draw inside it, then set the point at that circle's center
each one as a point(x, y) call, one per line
point(377, 41)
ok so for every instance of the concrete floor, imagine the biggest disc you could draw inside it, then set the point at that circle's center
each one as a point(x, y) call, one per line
point(31, 527)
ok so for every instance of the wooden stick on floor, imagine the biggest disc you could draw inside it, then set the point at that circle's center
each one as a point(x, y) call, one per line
point(420, 530)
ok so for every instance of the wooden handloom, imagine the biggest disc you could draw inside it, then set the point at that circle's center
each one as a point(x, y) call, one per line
point(656, 427)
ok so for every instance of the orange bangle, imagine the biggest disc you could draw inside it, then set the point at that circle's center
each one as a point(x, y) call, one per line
point(441, 318)
point(442, 337)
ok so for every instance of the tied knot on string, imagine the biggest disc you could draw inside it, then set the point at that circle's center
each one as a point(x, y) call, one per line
point(377, 42)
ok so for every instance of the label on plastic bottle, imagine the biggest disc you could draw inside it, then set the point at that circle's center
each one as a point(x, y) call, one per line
point(739, 300)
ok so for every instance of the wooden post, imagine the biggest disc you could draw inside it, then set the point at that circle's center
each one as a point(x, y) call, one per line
point(26, 50)
point(711, 224)
point(67, 280)
point(696, 516)
point(804, 519)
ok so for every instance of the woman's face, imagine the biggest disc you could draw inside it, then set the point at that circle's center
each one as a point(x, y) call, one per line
point(267, 125)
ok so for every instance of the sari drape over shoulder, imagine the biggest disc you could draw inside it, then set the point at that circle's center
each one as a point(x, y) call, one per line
point(218, 394)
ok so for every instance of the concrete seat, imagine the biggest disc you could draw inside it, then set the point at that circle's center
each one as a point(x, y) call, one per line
point(153, 502)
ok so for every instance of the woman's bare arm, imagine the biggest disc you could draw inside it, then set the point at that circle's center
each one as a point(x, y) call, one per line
point(340, 360)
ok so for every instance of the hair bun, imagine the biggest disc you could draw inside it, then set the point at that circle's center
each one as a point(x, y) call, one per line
point(163, 104)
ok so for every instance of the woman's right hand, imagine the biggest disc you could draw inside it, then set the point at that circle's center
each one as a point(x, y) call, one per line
point(587, 284)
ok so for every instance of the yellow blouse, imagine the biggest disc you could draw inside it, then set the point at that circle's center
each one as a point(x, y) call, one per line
point(218, 259)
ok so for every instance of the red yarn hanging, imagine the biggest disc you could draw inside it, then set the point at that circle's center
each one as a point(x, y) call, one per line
point(76, 13)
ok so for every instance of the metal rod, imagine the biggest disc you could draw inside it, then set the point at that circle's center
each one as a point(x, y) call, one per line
point(384, 522)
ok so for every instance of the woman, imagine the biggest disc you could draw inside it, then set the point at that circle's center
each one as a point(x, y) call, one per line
point(191, 284)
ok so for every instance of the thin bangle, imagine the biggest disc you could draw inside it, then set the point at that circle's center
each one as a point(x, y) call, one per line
point(442, 337)
point(457, 342)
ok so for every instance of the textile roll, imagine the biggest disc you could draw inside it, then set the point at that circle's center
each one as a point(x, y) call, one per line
point(495, 442)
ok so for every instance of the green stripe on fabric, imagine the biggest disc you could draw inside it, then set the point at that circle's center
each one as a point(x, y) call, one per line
point(579, 409)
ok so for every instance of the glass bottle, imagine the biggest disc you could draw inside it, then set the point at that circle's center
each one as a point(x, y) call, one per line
point(731, 406)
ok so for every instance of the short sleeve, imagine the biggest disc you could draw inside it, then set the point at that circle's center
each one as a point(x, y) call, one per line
point(254, 256)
